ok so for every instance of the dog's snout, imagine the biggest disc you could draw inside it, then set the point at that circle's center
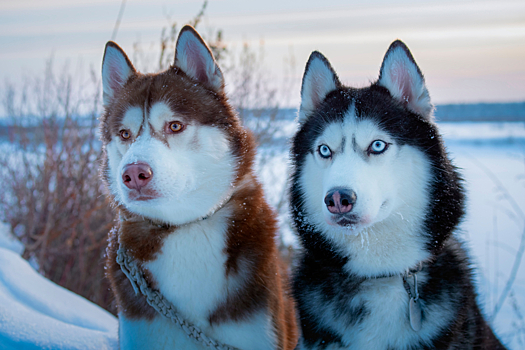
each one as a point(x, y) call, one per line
point(137, 175)
point(340, 200)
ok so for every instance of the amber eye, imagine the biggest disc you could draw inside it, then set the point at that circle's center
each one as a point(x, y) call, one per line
point(125, 134)
point(176, 127)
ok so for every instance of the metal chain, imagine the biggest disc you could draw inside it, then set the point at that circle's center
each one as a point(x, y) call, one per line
point(407, 286)
point(163, 306)
point(412, 273)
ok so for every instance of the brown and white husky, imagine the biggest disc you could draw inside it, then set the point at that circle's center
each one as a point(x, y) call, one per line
point(179, 168)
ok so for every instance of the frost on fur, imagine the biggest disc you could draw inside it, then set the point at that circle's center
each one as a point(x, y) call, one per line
point(319, 79)
point(194, 58)
point(116, 70)
point(402, 77)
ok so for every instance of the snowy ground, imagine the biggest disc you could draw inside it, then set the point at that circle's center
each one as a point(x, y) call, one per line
point(494, 172)
point(37, 314)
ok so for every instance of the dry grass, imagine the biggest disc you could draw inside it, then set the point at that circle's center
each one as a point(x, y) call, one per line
point(53, 197)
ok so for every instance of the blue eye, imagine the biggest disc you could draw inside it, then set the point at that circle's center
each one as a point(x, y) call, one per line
point(325, 151)
point(377, 147)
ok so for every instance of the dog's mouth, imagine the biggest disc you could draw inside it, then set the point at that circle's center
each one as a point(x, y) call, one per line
point(346, 222)
point(349, 221)
point(143, 195)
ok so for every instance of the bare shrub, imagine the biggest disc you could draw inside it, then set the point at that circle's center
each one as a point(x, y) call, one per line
point(52, 196)
point(142, 58)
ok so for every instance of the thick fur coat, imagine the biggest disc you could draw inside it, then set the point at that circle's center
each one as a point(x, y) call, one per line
point(375, 198)
point(179, 168)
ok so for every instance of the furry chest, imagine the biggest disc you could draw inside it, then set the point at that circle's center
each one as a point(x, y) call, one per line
point(190, 268)
point(386, 323)
point(190, 271)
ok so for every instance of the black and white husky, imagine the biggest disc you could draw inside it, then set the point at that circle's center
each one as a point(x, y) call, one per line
point(375, 202)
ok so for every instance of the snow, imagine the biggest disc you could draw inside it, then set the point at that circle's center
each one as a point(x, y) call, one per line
point(35, 313)
point(8, 241)
point(494, 225)
point(483, 133)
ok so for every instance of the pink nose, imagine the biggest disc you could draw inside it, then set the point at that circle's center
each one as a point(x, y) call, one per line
point(137, 175)
point(340, 200)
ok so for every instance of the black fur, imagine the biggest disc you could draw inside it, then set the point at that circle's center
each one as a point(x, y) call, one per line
point(319, 269)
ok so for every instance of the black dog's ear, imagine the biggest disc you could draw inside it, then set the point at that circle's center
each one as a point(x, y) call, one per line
point(319, 79)
point(401, 76)
point(116, 70)
point(195, 58)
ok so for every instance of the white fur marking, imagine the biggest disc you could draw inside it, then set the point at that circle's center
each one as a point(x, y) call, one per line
point(160, 114)
point(192, 176)
point(133, 119)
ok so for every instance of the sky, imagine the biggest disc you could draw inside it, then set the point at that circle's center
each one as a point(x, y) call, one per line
point(469, 51)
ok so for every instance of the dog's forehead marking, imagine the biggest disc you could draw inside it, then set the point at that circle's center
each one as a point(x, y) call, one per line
point(362, 131)
point(352, 134)
point(332, 136)
point(160, 113)
point(133, 119)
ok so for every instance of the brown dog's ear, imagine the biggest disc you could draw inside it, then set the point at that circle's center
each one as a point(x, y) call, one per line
point(116, 70)
point(194, 58)
point(401, 76)
point(319, 79)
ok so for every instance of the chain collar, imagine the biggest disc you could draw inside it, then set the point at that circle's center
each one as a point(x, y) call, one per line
point(155, 299)
point(163, 306)
point(414, 306)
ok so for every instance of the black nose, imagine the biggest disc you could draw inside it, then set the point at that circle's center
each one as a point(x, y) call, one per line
point(340, 200)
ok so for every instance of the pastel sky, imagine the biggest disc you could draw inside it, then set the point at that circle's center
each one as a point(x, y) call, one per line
point(469, 51)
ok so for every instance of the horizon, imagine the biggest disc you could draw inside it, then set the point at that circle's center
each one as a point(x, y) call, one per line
point(469, 51)
point(471, 112)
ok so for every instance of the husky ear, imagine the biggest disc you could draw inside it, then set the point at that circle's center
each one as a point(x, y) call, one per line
point(116, 70)
point(194, 58)
point(401, 76)
point(318, 80)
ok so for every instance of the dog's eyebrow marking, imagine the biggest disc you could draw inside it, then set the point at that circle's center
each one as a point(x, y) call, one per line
point(195, 142)
point(146, 109)
point(158, 135)
point(355, 146)
point(144, 116)
point(343, 144)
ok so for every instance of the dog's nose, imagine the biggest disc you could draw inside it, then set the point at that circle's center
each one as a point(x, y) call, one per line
point(340, 200)
point(137, 175)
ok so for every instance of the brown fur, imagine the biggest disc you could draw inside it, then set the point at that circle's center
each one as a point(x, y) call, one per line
point(251, 239)
point(127, 302)
point(251, 246)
